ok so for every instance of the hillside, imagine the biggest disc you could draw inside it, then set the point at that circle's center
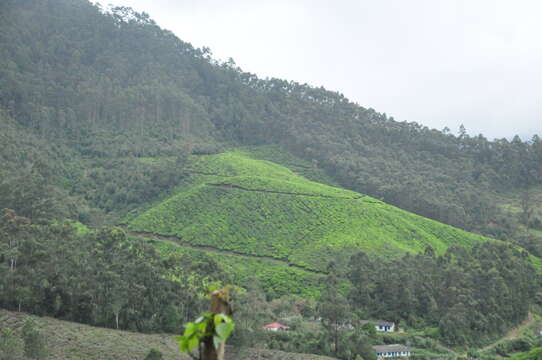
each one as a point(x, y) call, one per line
point(137, 172)
point(104, 85)
point(535, 354)
point(72, 341)
point(526, 206)
point(252, 211)
point(257, 207)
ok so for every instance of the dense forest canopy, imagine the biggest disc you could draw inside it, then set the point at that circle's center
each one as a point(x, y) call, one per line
point(111, 83)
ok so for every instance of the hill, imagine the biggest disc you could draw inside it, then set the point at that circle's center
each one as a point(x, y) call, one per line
point(72, 341)
point(255, 211)
point(106, 84)
point(107, 118)
point(257, 207)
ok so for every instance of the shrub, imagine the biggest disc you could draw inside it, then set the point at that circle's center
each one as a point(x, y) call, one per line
point(154, 355)
point(34, 341)
point(10, 345)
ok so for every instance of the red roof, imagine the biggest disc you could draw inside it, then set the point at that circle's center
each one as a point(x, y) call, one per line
point(275, 326)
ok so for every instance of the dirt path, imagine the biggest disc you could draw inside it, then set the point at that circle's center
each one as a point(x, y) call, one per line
point(178, 242)
point(514, 333)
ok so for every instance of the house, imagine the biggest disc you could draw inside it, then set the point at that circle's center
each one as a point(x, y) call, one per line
point(276, 327)
point(380, 325)
point(391, 351)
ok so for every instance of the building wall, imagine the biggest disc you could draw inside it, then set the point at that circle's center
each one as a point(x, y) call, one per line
point(385, 328)
point(392, 354)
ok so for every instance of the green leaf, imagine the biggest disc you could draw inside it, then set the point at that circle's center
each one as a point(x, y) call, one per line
point(218, 319)
point(183, 344)
point(190, 329)
point(224, 318)
point(202, 328)
point(213, 287)
point(224, 330)
point(193, 343)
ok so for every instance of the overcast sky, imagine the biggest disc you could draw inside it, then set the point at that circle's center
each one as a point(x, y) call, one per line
point(438, 62)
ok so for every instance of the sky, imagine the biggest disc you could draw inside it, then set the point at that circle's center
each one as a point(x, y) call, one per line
point(441, 63)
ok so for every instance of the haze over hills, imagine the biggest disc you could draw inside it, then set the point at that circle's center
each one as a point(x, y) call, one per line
point(216, 176)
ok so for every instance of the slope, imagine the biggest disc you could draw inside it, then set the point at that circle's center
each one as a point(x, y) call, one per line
point(67, 340)
point(234, 201)
point(113, 83)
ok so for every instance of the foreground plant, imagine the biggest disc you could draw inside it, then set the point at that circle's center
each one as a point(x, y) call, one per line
point(209, 332)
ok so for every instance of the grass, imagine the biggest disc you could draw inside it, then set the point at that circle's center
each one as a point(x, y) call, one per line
point(72, 341)
point(238, 202)
point(242, 202)
point(276, 277)
point(534, 354)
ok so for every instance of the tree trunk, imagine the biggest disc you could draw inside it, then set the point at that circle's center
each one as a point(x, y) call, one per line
point(219, 305)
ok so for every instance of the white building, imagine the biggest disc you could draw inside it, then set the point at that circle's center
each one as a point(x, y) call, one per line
point(391, 351)
point(380, 325)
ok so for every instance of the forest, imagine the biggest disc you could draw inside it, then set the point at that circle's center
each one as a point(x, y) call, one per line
point(469, 298)
point(105, 117)
point(132, 89)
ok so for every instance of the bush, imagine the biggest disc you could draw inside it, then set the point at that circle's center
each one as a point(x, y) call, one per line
point(536, 223)
point(34, 341)
point(10, 345)
point(154, 355)
point(512, 346)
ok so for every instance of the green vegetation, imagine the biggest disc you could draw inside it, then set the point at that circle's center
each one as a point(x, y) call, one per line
point(196, 332)
point(276, 277)
point(35, 342)
point(107, 118)
point(470, 297)
point(154, 355)
point(72, 341)
point(100, 278)
point(84, 107)
point(525, 209)
point(534, 354)
point(261, 208)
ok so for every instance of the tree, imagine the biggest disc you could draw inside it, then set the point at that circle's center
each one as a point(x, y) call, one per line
point(34, 341)
point(210, 331)
point(333, 308)
point(360, 345)
point(10, 346)
point(527, 208)
point(251, 311)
